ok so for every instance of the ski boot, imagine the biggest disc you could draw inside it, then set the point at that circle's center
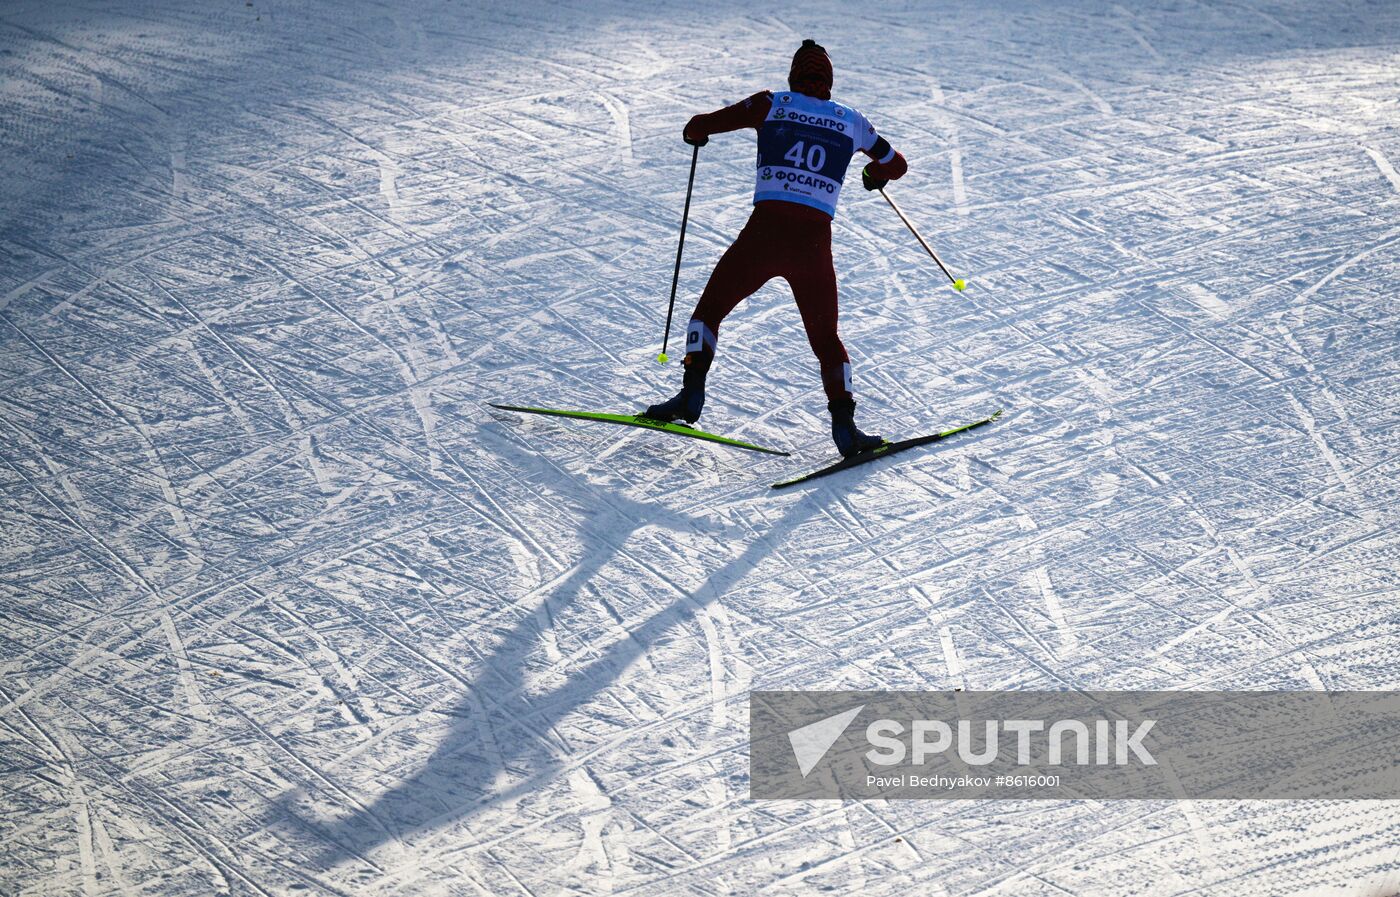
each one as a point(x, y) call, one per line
point(844, 432)
point(686, 404)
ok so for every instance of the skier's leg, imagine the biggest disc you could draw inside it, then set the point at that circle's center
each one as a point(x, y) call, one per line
point(740, 272)
point(815, 292)
point(813, 282)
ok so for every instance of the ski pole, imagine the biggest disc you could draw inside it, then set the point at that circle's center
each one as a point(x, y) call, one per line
point(675, 278)
point(958, 283)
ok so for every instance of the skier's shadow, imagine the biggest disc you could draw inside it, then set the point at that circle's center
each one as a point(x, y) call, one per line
point(500, 725)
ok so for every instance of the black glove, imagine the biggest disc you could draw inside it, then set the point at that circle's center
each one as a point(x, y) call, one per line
point(870, 182)
point(700, 142)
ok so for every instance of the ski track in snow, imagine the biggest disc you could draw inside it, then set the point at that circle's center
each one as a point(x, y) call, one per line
point(288, 610)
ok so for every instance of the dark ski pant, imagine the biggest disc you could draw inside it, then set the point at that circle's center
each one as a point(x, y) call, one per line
point(796, 247)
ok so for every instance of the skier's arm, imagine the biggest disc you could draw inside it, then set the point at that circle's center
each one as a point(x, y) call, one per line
point(749, 113)
point(888, 165)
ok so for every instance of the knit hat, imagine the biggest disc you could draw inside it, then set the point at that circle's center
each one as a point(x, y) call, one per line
point(811, 70)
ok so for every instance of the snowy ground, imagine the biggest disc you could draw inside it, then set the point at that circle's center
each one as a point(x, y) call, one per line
point(287, 610)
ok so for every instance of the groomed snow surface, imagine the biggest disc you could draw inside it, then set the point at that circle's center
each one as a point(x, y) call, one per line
point(288, 610)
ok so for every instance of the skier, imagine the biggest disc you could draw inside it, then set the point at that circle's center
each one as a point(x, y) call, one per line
point(805, 143)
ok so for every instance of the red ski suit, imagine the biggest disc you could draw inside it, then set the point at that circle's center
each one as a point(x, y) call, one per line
point(788, 240)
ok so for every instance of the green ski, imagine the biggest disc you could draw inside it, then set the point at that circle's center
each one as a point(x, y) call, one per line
point(884, 451)
point(637, 420)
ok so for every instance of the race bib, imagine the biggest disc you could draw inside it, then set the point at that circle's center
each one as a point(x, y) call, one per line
point(804, 148)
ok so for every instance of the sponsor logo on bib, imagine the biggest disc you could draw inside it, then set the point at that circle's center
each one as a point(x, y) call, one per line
point(803, 118)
